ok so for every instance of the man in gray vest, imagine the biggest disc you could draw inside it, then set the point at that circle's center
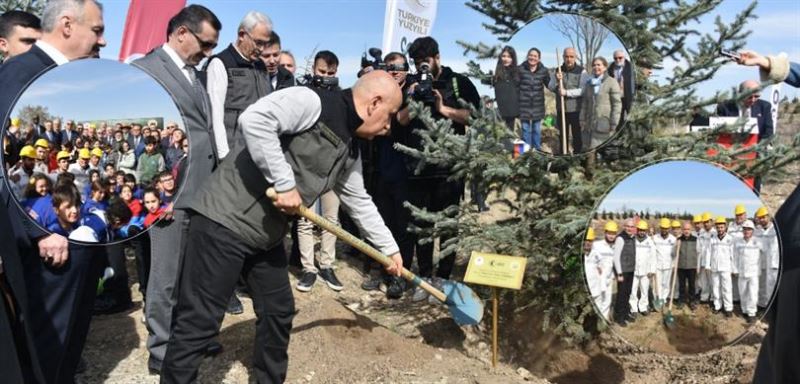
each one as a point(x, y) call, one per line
point(624, 264)
point(237, 78)
point(301, 142)
point(191, 36)
point(574, 78)
point(688, 267)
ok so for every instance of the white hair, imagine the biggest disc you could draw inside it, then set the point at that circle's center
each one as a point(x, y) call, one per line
point(55, 9)
point(254, 18)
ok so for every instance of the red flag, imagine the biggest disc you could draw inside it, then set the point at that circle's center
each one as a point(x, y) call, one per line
point(146, 26)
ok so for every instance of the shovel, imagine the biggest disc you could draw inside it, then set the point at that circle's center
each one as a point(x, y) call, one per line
point(669, 320)
point(465, 306)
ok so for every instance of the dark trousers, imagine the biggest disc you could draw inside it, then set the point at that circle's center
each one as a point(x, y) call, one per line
point(573, 120)
point(389, 198)
point(433, 194)
point(16, 363)
point(141, 248)
point(215, 258)
point(117, 286)
point(622, 307)
point(686, 279)
point(61, 302)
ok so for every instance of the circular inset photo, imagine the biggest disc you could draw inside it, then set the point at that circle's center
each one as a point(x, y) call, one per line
point(681, 257)
point(92, 149)
point(564, 84)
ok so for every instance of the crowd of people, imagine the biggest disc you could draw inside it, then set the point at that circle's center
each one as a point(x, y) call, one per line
point(595, 100)
point(708, 261)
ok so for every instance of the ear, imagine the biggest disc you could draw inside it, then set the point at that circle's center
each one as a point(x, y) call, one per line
point(66, 24)
point(374, 104)
point(3, 46)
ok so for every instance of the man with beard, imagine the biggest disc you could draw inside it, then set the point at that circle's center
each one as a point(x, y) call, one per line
point(237, 78)
point(60, 294)
point(22, 172)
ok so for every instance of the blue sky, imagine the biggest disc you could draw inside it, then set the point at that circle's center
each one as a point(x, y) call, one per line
point(675, 186)
point(99, 90)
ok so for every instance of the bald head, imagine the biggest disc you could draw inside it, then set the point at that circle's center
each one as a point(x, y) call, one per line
point(377, 97)
point(570, 57)
point(630, 227)
point(750, 86)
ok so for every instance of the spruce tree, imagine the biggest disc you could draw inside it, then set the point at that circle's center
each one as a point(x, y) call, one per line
point(551, 198)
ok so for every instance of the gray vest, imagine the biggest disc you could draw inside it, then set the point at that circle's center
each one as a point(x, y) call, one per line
point(572, 80)
point(688, 253)
point(627, 258)
point(247, 82)
point(235, 198)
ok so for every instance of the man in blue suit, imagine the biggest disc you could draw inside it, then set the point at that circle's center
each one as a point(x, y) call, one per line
point(136, 140)
point(752, 106)
point(51, 281)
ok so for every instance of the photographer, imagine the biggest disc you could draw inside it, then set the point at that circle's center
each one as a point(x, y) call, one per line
point(430, 189)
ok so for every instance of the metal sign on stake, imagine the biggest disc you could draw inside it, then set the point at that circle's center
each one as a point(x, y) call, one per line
point(496, 271)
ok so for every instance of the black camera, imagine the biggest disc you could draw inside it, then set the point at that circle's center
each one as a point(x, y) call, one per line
point(425, 85)
point(377, 61)
point(323, 82)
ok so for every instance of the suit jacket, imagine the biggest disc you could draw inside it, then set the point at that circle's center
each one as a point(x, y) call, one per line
point(195, 108)
point(627, 82)
point(68, 136)
point(601, 112)
point(761, 110)
point(15, 227)
point(138, 149)
point(285, 79)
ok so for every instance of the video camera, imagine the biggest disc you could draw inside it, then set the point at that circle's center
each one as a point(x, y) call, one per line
point(323, 82)
point(377, 61)
point(425, 85)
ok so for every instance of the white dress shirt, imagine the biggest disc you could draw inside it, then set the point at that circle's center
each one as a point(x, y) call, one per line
point(217, 88)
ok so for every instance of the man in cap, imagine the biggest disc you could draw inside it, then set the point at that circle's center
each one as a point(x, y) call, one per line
point(719, 261)
point(624, 264)
point(665, 255)
point(703, 241)
point(42, 147)
point(62, 165)
point(747, 254)
point(770, 256)
point(599, 268)
point(81, 170)
point(644, 269)
point(735, 230)
point(676, 228)
point(94, 160)
point(20, 174)
point(688, 267)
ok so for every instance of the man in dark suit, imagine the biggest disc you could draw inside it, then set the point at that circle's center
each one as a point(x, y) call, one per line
point(752, 106)
point(136, 139)
point(192, 34)
point(68, 135)
point(58, 278)
point(279, 76)
point(622, 71)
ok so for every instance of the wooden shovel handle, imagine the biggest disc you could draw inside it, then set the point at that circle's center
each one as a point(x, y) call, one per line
point(361, 246)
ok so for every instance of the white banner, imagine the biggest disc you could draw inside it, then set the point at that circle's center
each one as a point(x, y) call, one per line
point(405, 21)
point(775, 99)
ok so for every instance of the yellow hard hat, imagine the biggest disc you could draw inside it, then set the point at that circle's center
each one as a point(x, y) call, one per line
point(42, 143)
point(28, 151)
point(697, 219)
point(97, 152)
point(706, 217)
point(739, 210)
point(721, 220)
point(590, 234)
point(63, 155)
point(611, 226)
point(84, 153)
point(664, 223)
point(15, 122)
point(761, 212)
point(642, 225)
point(676, 224)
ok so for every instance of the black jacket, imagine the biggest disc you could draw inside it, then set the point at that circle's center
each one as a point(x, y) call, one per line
point(761, 110)
point(627, 83)
point(531, 91)
point(285, 79)
point(506, 93)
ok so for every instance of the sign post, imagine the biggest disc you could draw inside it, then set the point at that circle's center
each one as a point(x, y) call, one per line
point(496, 271)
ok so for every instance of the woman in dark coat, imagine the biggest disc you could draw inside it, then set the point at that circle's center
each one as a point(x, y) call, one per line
point(506, 86)
point(534, 78)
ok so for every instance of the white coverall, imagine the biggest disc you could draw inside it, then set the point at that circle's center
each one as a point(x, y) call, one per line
point(747, 255)
point(665, 257)
point(770, 263)
point(719, 260)
point(704, 277)
point(645, 265)
point(600, 274)
point(736, 231)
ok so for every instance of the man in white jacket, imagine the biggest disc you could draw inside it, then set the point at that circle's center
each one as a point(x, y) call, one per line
point(747, 254)
point(770, 256)
point(599, 268)
point(645, 269)
point(703, 240)
point(719, 260)
point(665, 255)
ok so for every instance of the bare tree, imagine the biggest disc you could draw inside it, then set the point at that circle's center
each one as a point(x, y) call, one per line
point(584, 33)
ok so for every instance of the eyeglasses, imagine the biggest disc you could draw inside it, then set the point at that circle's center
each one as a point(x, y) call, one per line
point(619, 58)
point(204, 45)
point(257, 42)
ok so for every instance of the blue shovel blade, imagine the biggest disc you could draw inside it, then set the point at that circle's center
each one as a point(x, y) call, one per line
point(465, 306)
